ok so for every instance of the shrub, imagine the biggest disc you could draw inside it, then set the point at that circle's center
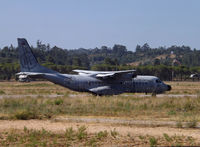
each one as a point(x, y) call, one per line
point(102, 134)
point(2, 92)
point(82, 133)
point(167, 138)
point(58, 102)
point(69, 133)
point(113, 133)
point(153, 141)
point(25, 115)
point(192, 124)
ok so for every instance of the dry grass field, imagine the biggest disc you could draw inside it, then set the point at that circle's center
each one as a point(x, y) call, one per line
point(44, 101)
point(185, 87)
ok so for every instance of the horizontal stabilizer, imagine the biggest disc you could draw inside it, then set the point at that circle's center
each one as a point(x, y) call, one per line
point(30, 74)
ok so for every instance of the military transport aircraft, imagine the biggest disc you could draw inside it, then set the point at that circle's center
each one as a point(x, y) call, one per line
point(95, 82)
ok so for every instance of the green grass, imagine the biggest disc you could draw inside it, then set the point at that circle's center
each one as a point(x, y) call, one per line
point(167, 138)
point(71, 137)
point(153, 141)
point(70, 133)
point(81, 137)
point(101, 134)
point(2, 92)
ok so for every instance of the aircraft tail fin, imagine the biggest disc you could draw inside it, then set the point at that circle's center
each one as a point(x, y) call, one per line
point(28, 62)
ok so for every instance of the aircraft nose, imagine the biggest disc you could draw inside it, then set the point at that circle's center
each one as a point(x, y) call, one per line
point(169, 87)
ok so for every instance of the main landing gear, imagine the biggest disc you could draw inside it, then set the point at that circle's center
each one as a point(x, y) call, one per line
point(153, 94)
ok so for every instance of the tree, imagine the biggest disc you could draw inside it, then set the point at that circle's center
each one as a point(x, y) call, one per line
point(145, 47)
point(138, 48)
point(119, 50)
point(109, 61)
point(157, 61)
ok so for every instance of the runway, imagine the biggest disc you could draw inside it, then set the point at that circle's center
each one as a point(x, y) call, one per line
point(31, 96)
point(171, 95)
point(78, 95)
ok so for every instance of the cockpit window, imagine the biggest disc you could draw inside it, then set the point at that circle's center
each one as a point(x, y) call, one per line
point(158, 81)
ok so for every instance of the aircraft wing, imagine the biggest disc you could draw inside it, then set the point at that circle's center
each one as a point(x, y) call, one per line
point(104, 74)
point(89, 71)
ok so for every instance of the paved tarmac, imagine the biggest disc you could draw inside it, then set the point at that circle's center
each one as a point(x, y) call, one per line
point(30, 95)
point(171, 95)
point(77, 95)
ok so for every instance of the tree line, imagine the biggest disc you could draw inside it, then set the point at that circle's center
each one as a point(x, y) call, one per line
point(175, 62)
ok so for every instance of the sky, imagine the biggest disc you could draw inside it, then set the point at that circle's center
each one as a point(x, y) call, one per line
point(73, 24)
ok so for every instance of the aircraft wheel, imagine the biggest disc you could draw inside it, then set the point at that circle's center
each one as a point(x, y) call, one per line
point(94, 94)
point(154, 94)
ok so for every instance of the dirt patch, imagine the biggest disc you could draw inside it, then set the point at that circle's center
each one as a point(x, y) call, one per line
point(96, 127)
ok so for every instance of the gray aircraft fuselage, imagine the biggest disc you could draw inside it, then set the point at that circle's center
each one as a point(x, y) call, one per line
point(139, 84)
point(96, 82)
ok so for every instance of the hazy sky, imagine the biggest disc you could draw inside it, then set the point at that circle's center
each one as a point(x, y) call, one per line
point(93, 23)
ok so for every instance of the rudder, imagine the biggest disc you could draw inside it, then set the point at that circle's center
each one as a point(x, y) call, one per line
point(28, 62)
